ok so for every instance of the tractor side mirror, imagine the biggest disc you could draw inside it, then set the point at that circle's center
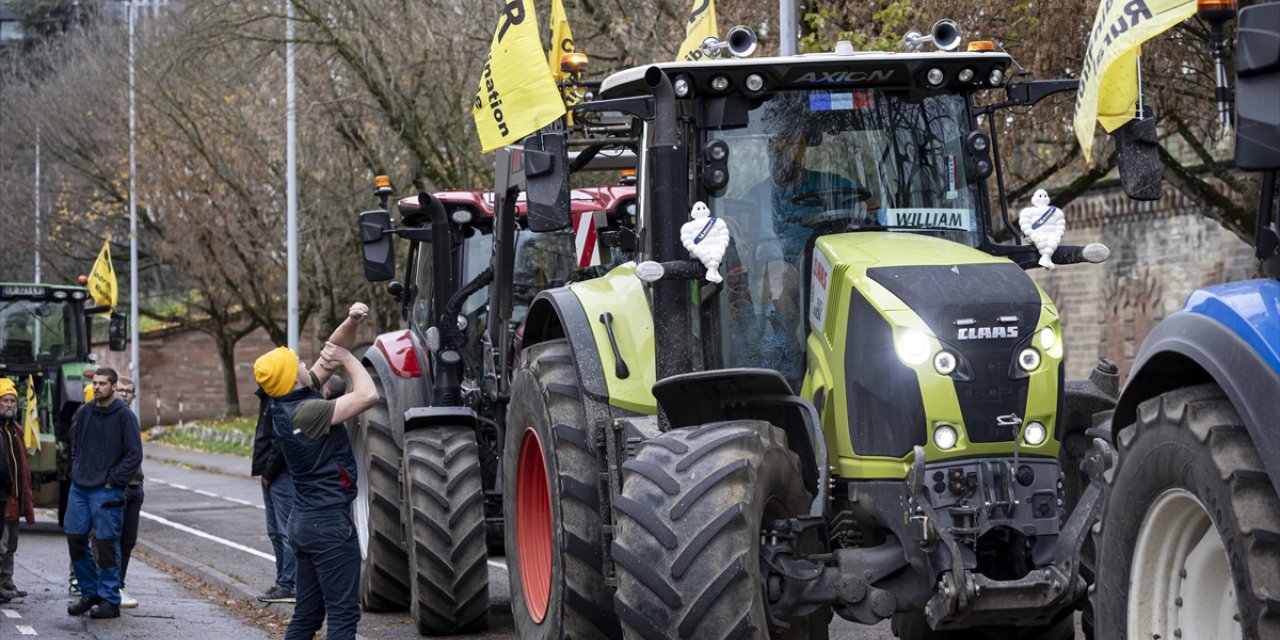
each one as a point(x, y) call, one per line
point(1257, 85)
point(379, 252)
point(546, 171)
point(118, 331)
point(1140, 172)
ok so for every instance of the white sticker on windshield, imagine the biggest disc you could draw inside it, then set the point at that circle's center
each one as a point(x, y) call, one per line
point(929, 218)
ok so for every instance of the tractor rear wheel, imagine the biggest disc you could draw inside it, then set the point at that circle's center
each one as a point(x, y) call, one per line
point(552, 484)
point(1190, 536)
point(688, 545)
point(448, 554)
point(384, 570)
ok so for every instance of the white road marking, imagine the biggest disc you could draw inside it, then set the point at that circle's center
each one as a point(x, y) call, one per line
point(10, 613)
point(27, 630)
point(206, 493)
point(207, 536)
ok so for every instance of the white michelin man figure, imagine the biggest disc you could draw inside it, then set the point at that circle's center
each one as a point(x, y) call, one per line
point(1043, 225)
point(707, 238)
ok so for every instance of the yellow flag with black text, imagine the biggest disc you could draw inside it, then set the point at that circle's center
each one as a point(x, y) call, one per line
point(561, 39)
point(102, 280)
point(701, 25)
point(517, 95)
point(31, 422)
point(1108, 92)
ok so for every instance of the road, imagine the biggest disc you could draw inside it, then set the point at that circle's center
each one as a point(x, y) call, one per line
point(203, 514)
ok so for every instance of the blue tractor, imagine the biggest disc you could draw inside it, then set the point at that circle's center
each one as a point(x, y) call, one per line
point(1189, 544)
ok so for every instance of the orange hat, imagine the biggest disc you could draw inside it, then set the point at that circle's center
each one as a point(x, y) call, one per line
point(276, 371)
point(7, 388)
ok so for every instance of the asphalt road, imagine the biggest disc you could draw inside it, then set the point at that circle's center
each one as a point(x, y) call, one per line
point(203, 514)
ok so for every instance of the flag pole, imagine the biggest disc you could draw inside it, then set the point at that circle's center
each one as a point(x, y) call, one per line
point(291, 170)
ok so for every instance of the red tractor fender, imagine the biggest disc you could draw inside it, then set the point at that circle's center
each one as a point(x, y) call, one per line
point(397, 348)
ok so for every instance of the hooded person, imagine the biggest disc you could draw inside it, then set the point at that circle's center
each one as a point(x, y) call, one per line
point(312, 437)
point(106, 454)
point(15, 487)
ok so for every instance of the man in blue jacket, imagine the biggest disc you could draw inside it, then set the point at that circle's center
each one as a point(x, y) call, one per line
point(312, 437)
point(106, 453)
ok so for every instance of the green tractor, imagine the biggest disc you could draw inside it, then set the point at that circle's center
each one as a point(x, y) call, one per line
point(45, 333)
point(867, 415)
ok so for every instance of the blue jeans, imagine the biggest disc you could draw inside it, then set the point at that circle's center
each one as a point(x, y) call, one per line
point(101, 510)
point(328, 555)
point(278, 499)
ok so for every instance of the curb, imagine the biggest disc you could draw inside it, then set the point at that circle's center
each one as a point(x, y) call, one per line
point(217, 578)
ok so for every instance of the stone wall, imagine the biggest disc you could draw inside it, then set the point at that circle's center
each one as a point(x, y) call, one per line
point(1160, 252)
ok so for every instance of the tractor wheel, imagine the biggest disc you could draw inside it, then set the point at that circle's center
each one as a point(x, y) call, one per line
point(384, 568)
point(552, 483)
point(448, 557)
point(688, 545)
point(1190, 539)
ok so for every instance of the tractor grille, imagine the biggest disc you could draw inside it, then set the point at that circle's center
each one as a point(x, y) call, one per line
point(965, 306)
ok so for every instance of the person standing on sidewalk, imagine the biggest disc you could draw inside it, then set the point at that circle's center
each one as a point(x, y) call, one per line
point(277, 498)
point(106, 453)
point(312, 436)
point(6, 480)
point(133, 497)
point(18, 502)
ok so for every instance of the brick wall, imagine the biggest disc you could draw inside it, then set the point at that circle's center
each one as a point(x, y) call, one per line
point(1160, 252)
point(182, 367)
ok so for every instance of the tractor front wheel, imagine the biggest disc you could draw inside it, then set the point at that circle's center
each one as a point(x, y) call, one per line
point(694, 502)
point(1191, 532)
point(448, 555)
point(384, 570)
point(552, 483)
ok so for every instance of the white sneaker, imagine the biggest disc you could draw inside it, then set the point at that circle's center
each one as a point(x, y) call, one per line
point(126, 601)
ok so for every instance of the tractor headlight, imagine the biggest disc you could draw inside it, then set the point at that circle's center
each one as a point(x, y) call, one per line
point(1034, 434)
point(944, 362)
point(912, 346)
point(449, 356)
point(945, 437)
point(1047, 338)
point(935, 76)
point(681, 86)
point(1029, 359)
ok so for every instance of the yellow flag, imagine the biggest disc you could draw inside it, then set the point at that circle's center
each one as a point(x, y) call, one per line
point(102, 280)
point(561, 39)
point(701, 25)
point(31, 424)
point(1109, 79)
point(516, 96)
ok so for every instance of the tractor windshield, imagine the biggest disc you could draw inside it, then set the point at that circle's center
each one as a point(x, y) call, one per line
point(814, 163)
point(37, 331)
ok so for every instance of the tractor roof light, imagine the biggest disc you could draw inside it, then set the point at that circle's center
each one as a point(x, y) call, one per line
point(381, 185)
point(935, 77)
point(754, 83)
point(912, 346)
point(945, 437)
point(965, 75)
point(1029, 359)
point(682, 87)
point(981, 46)
point(996, 78)
point(575, 62)
point(1034, 434)
point(720, 83)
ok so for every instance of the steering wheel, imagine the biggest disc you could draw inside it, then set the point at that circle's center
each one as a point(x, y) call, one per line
point(836, 198)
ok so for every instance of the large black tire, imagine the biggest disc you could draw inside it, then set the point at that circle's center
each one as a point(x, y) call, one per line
point(688, 546)
point(384, 569)
point(552, 483)
point(1188, 448)
point(449, 558)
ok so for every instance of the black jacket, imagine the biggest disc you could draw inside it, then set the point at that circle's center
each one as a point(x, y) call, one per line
point(6, 479)
point(267, 461)
point(106, 446)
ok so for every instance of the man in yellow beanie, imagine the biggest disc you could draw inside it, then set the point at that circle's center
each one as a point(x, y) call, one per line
point(312, 437)
point(18, 496)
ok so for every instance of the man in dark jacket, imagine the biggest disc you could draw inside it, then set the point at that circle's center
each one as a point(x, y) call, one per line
point(8, 397)
point(106, 453)
point(312, 437)
point(277, 497)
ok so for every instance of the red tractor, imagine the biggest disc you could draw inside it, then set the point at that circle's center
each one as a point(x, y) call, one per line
point(429, 506)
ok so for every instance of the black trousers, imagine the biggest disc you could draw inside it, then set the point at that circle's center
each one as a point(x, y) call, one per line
point(133, 496)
